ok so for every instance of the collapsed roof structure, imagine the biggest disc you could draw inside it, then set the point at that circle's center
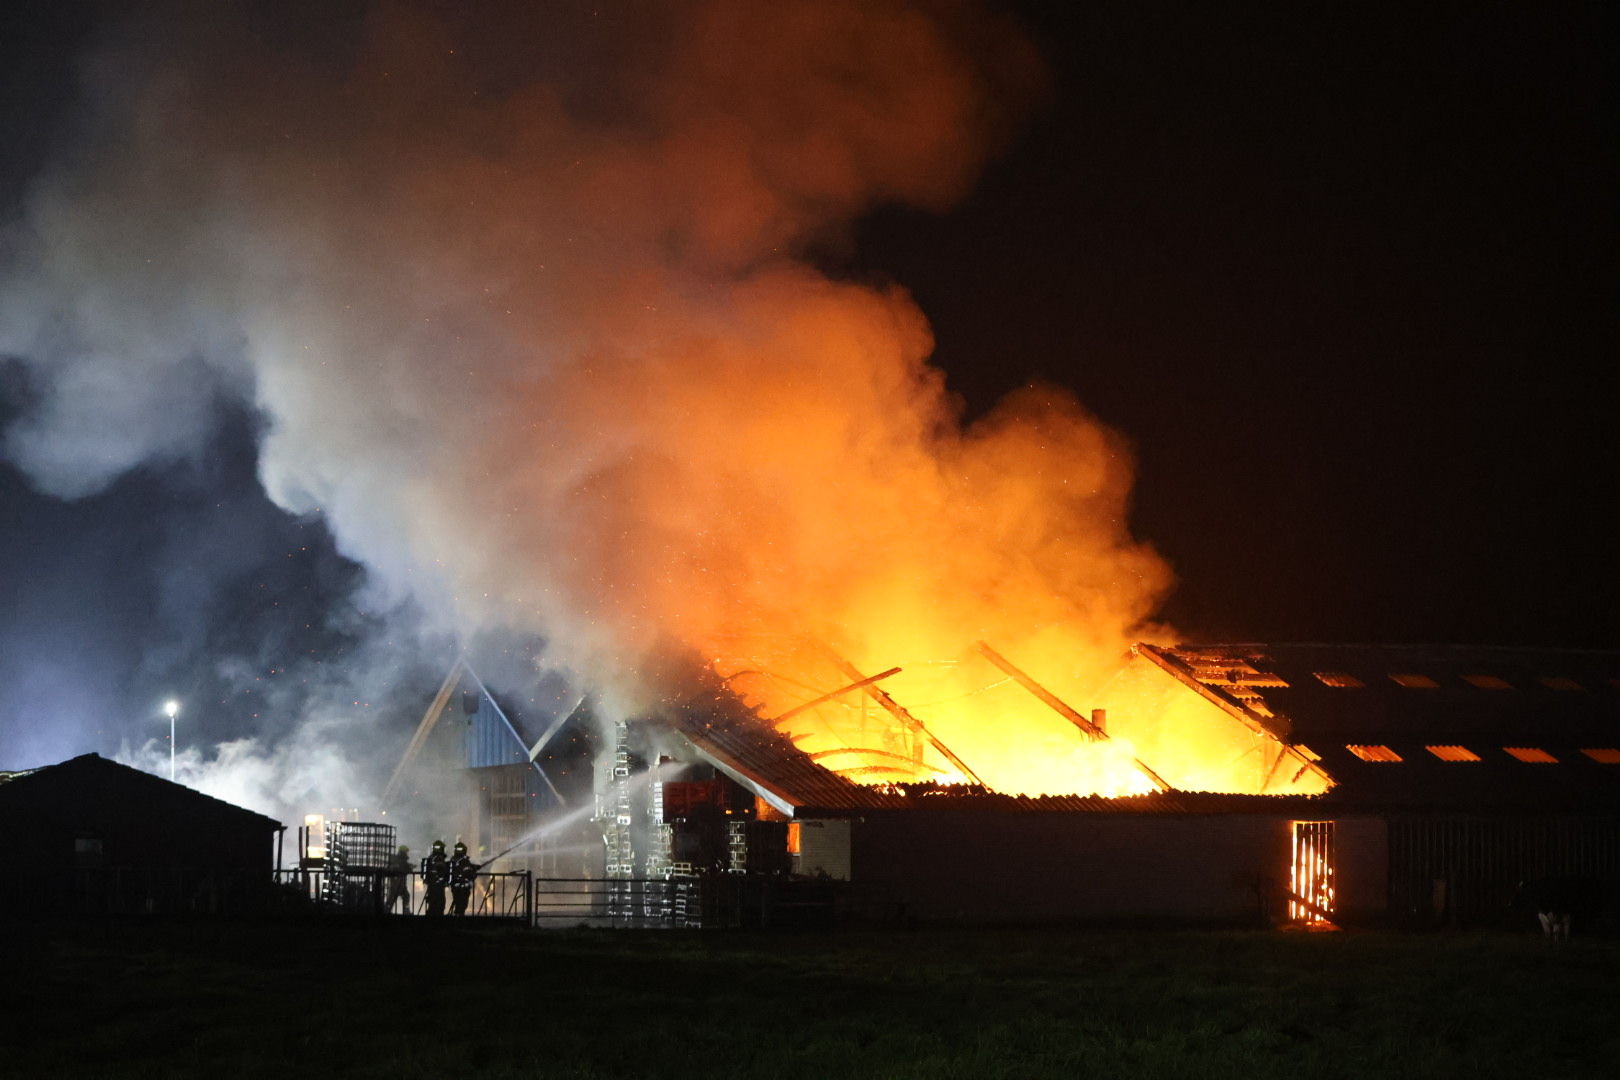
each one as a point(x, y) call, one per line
point(1321, 782)
point(1340, 714)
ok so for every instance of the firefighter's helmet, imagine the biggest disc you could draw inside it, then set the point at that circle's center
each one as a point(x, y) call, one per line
point(461, 849)
point(438, 845)
point(403, 850)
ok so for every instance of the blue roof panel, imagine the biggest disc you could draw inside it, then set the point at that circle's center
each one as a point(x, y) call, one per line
point(491, 738)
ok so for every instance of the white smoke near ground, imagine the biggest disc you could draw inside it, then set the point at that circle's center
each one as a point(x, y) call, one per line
point(319, 751)
point(517, 294)
point(282, 781)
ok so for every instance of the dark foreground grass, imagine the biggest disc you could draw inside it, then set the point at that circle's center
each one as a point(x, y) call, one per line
point(405, 999)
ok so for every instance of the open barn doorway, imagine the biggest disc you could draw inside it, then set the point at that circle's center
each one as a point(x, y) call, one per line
point(1311, 880)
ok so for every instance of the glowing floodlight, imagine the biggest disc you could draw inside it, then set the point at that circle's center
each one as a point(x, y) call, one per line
point(172, 708)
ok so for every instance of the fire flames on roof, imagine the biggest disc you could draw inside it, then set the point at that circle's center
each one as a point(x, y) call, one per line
point(1302, 718)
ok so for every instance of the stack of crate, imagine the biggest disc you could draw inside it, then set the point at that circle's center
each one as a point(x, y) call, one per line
point(758, 847)
point(357, 857)
point(737, 846)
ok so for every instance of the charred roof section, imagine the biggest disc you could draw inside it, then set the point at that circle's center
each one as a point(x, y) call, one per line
point(1457, 727)
point(724, 731)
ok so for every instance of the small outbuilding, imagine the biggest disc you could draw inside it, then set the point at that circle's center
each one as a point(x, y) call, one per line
point(91, 835)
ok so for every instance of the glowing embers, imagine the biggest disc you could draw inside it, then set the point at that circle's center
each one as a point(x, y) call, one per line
point(1374, 753)
point(1416, 682)
point(1263, 678)
point(1532, 754)
point(1452, 753)
point(1487, 682)
point(1603, 755)
point(1339, 679)
point(1219, 670)
point(1250, 698)
point(1311, 886)
point(1558, 682)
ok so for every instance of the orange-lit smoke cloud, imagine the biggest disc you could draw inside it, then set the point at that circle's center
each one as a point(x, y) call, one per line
point(520, 297)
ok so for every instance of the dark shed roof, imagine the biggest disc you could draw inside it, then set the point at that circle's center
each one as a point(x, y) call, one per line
point(92, 781)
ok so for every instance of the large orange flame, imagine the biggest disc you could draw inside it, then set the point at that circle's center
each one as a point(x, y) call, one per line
point(799, 488)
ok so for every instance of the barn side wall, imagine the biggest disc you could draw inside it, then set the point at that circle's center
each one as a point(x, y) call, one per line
point(1361, 877)
point(1465, 871)
point(949, 866)
point(136, 824)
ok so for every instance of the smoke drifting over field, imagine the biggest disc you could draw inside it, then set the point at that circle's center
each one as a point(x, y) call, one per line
point(519, 299)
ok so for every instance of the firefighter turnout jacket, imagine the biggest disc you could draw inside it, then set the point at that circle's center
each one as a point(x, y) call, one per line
point(462, 872)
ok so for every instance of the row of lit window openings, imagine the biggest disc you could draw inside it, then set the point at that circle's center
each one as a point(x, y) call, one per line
point(1423, 682)
point(1531, 754)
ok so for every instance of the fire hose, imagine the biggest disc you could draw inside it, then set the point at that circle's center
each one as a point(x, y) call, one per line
point(506, 851)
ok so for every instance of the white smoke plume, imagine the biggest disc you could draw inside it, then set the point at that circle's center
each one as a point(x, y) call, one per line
point(519, 296)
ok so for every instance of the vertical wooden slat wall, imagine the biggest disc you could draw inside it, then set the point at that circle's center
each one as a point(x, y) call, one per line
point(1464, 871)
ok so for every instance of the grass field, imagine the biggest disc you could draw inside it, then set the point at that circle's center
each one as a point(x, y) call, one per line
point(401, 998)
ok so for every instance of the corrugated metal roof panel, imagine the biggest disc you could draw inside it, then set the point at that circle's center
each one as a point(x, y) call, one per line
point(770, 760)
point(1425, 693)
point(490, 737)
point(1480, 698)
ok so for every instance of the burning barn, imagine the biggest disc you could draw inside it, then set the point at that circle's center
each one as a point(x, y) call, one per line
point(1227, 784)
point(93, 835)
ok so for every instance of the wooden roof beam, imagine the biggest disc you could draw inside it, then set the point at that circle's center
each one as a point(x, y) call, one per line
point(1277, 727)
point(1064, 710)
point(423, 730)
point(824, 698)
point(894, 709)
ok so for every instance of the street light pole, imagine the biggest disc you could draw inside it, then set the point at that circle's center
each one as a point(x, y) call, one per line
point(171, 708)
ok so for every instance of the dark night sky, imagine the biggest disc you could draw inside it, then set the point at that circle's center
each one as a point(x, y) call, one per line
point(1347, 281)
point(1345, 278)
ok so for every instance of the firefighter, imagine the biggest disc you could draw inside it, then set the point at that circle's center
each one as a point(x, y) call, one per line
point(435, 876)
point(399, 870)
point(462, 872)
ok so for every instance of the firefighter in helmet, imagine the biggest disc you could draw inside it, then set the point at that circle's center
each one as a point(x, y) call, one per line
point(462, 872)
point(399, 871)
point(435, 876)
